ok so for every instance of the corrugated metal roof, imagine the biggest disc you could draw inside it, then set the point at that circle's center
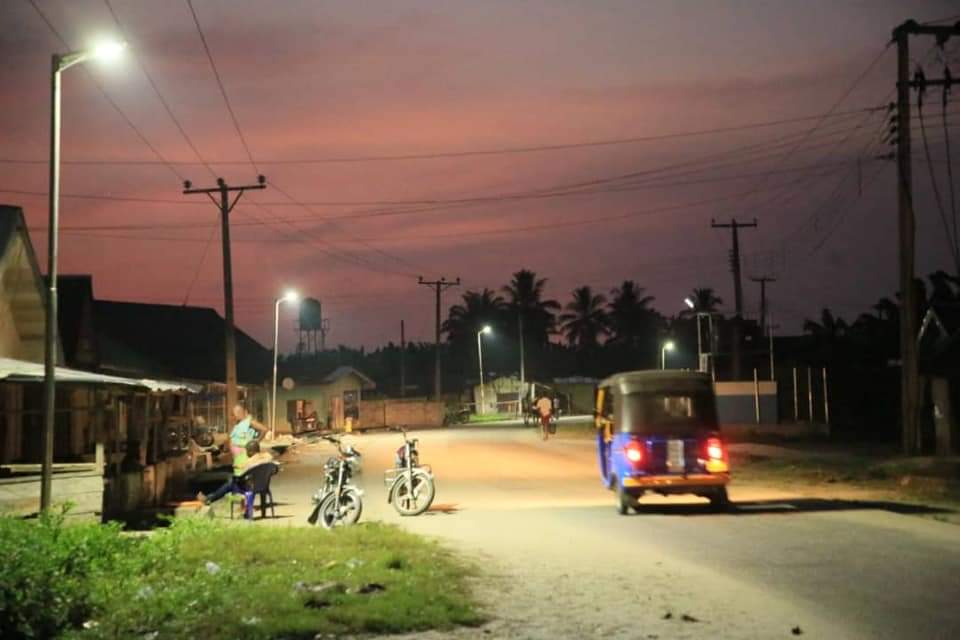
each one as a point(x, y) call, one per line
point(21, 370)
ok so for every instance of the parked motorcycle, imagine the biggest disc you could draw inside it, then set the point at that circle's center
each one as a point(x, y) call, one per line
point(412, 487)
point(339, 501)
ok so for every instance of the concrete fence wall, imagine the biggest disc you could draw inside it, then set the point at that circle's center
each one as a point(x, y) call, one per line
point(737, 401)
point(20, 495)
point(392, 412)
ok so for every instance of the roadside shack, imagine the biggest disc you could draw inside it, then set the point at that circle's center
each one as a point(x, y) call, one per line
point(119, 443)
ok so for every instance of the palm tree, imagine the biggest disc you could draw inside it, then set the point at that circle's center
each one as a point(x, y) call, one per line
point(585, 320)
point(476, 310)
point(631, 319)
point(704, 301)
point(525, 301)
point(829, 329)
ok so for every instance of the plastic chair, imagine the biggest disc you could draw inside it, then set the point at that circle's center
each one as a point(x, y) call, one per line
point(257, 481)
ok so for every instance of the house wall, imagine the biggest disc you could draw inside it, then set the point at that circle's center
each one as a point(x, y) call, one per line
point(22, 310)
point(320, 395)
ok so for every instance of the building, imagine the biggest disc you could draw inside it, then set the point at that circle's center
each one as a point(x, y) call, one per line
point(312, 398)
point(22, 307)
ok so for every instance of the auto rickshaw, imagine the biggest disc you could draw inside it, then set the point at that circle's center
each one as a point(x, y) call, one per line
point(657, 431)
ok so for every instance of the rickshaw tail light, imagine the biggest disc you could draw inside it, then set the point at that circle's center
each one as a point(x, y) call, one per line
point(714, 449)
point(634, 452)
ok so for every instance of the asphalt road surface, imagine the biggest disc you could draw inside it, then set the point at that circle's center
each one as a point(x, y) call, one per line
point(561, 563)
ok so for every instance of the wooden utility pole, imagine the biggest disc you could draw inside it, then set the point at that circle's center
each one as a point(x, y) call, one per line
point(735, 226)
point(230, 342)
point(439, 286)
point(909, 377)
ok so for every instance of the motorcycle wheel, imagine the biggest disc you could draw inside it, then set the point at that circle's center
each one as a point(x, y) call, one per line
point(345, 513)
point(423, 492)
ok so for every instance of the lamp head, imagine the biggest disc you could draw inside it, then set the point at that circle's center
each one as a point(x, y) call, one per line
point(668, 345)
point(487, 329)
point(108, 50)
point(689, 303)
point(291, 296)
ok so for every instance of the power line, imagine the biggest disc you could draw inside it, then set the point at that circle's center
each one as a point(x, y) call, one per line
point(474, 152)
point(162, 160)
point(223, 91)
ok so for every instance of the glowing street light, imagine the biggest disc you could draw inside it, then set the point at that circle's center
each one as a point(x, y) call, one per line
point(105, 51)
point(667, 346)
point(689, 303)
point(485, 330)
point(291, 297)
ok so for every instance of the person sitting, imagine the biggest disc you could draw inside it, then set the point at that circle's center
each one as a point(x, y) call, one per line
point(253, 458)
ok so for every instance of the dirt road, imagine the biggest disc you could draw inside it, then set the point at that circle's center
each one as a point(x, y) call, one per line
point(560, 563)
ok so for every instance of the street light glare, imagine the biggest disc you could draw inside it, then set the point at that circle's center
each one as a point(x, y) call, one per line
point(486, 329)
point(291, 296)
point(668, 345)
point(109, 50)
point(689, 302)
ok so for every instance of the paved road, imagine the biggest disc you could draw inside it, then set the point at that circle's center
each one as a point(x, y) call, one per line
point(564, 564)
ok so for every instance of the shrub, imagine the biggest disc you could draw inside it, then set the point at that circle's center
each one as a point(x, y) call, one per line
point(46, 572)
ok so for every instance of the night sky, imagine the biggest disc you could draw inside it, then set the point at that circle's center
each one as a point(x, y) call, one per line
point(359, 87)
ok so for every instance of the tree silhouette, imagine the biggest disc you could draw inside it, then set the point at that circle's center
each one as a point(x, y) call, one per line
point(632, 321)
point(525, 299)
point(585, 320)
point(704, 301)
point(478, 308)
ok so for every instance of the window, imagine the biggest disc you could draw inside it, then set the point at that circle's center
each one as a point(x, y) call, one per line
point(668, 413)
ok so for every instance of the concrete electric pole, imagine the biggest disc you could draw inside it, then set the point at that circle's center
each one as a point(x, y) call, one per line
point(439, 286)
point(230, 344)
point(909, 378)
point(763, 280)
point(734, 227)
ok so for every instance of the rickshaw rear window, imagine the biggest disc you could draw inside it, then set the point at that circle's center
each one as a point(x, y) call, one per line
point(670, 414)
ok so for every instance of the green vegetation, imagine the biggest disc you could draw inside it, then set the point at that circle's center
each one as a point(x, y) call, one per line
point(491, 417)
point(208, 580)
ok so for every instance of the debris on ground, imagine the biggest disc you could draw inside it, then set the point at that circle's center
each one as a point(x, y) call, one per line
point(370, 587)
point(667, 615)
point(212, 568)
point(797, 631)
point(688, 618)
point(320, 588)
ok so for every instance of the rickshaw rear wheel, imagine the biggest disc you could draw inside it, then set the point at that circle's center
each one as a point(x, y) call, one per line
point(719, 499)
point(624, 500)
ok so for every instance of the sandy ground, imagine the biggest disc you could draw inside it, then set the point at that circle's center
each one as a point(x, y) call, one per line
point(558, 562)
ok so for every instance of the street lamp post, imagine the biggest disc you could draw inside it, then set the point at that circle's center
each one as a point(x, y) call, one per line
point(291, 297)
point(709, 316)
point(486, 329)
point(667, 346)
point(60, 63)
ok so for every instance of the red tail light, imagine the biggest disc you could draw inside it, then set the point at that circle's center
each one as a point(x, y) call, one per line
point(634, 452)
point(715, 449)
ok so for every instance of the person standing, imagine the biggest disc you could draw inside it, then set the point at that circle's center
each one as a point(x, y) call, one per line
point(544, 407)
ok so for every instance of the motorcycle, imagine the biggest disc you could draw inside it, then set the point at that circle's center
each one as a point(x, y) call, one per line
point(339, 501)
point(412, 486)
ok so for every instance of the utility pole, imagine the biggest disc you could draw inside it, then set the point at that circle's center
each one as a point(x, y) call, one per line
point(439, 286)
point(735, 226)
point(403, 353)
point(763, 280)
point(909, 377)
point(523, 365)
point(230, 344)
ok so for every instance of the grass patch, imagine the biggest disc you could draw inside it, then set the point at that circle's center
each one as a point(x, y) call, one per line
point(212, 580)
